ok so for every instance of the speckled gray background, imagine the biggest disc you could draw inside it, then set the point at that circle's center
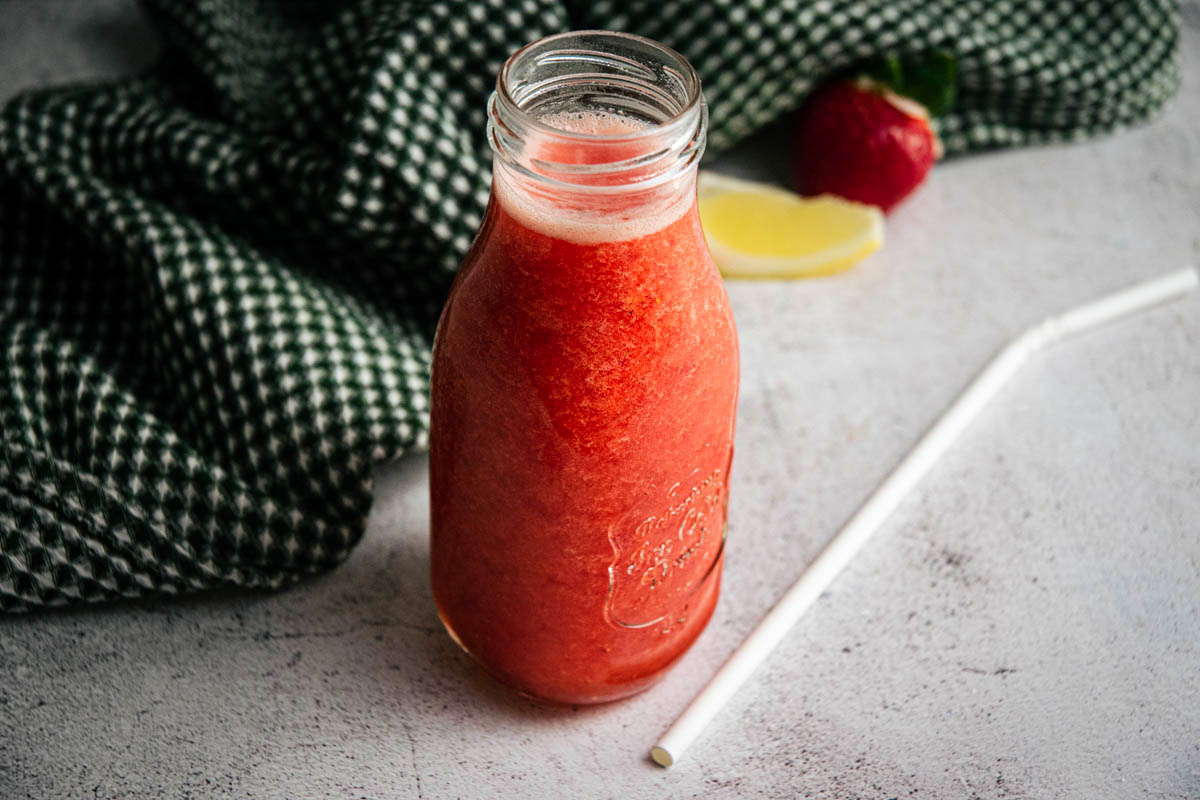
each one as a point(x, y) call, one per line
point(1027, 626)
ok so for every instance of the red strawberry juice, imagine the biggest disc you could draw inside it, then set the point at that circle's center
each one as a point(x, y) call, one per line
point(584, 385)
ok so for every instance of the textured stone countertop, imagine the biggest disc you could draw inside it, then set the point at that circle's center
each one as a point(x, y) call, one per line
point(1027, 625)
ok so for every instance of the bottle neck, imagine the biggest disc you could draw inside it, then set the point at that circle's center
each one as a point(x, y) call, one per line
point(598, 133)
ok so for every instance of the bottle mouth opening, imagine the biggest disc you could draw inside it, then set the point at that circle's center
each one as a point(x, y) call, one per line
point(609, 71)
point(597, 109)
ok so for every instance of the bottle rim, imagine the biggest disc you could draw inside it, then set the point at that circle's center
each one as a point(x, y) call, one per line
point(694, 99)
point(671, 145)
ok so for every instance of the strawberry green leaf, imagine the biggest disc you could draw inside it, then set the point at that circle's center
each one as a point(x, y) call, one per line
point(928, 78)
point(888, 70)
point(930, 81)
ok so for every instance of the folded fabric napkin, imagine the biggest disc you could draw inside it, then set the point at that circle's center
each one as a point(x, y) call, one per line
point(219, 280)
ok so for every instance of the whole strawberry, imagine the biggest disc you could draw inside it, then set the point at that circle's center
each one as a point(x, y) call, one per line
point(863, 142)
point(868, 139)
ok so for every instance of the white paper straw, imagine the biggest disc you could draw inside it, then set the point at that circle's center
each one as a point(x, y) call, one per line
point(871, 515)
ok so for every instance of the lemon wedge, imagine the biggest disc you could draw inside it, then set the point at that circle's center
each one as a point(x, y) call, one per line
point(760, 231)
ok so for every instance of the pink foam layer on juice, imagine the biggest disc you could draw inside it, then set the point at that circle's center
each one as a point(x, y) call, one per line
point(602, 221)
point(593, 123)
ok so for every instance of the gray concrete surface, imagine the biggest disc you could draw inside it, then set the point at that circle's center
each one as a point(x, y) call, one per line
point(1027, 625)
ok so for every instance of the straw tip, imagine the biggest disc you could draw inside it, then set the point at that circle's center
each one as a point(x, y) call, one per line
point(661, 757)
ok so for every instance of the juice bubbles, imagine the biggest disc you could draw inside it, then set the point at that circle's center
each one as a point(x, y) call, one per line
point(584, 386)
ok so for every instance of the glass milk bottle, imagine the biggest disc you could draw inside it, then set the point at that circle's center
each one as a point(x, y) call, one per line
point(584, 381)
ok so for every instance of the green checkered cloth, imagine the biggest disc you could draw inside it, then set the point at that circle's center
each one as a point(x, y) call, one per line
point(219, 280)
